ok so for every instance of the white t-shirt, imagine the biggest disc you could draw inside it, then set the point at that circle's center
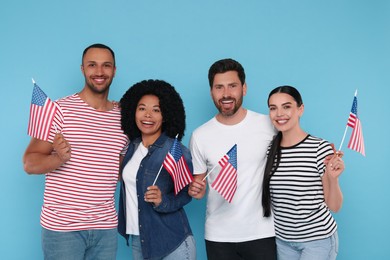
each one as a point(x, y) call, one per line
point(129, 177)
point(242, 219)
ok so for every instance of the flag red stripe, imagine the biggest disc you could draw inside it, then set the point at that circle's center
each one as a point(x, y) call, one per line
point(41, 119)
point(351, 120)
point(223, 177)
point(179, 171)
point(223, 160)
point(356, 141)
point(226, 182)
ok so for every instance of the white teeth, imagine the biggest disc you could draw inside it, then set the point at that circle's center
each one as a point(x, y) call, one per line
point(147, 123)
point(227, 101)
point(281, 121)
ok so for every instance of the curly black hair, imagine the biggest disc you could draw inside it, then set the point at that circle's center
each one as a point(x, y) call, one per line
point(171, 105)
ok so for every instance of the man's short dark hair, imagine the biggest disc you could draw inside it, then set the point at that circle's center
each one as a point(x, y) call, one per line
point(100, 46)
point(226, 65)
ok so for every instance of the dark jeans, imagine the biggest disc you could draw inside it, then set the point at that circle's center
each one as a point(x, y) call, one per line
point(260, 249)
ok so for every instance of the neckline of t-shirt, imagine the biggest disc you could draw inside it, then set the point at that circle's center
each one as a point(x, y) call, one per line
point(77, 95)
point(297, 144)
point(248, 114)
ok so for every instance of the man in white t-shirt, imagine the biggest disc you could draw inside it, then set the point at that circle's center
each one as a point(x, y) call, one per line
point(237, 229)
point(80, 161)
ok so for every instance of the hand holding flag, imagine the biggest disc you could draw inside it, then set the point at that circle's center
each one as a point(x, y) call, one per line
point(226, 181)
point(42, 112)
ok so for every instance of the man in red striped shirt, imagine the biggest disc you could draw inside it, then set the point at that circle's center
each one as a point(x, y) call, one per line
point(81, 163)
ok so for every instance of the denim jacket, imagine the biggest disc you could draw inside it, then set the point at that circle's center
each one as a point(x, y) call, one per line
point(162, 228)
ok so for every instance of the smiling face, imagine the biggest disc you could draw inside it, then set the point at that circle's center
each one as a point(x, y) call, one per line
point(99, 69)
point(227, 93)
point(284, 112)
point(148, 118)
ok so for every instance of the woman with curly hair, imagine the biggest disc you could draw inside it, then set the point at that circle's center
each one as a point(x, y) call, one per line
point(152, 215)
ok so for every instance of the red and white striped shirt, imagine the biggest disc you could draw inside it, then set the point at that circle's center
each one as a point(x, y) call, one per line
point(79, 195)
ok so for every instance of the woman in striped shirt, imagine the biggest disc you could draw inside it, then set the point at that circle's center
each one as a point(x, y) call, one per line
point(301, 183)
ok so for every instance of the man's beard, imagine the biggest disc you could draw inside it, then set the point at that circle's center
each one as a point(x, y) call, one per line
point(227, 113)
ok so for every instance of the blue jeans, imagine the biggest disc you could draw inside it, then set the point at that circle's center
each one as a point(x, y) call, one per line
point(93, 244)
point(322, 249)
point(186, 250)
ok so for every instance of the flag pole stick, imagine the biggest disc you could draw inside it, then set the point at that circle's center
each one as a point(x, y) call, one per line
point(346, 128)
point(55, 128)
point(157, 175)
point(159, 171)
point(213, 168)
point(342, 141)
point(209, 172)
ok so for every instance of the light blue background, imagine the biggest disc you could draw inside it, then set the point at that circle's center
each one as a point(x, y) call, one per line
point(326, 49)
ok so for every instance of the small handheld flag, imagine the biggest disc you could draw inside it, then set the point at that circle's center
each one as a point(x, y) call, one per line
point(42, 111)
point(177, 167)
point(226, 181)
point(356, 142)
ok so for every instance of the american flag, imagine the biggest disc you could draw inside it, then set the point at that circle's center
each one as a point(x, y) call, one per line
point(226, 181)
point(177, 167)
point(356, 141)
point(42, 111)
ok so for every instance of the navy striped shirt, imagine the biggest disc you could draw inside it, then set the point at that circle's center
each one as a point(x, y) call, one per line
point(297, 195)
